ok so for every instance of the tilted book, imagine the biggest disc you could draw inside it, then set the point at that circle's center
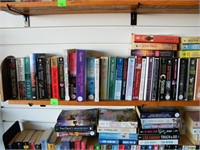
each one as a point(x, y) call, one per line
point(117, 118)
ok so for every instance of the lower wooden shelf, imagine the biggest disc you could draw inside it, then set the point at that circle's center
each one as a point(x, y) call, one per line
point(108, 103)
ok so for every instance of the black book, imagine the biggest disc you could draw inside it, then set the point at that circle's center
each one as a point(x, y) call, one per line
point(61, 77)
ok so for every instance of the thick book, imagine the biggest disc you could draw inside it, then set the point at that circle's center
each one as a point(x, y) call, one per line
point(61, 78)
point(19, 140)
point(33, 66)
point(153, 53)
point(155, 38)
point(27, 72)
point(54, 77)
point(157, 112)
point(154, 46)
point(190, 39)
point(45, 137)
point(37, 143)
point(52, 141)
point(78, 117)
point(117, 118)
point(192, 118)
point(11, 144)
point(21, 78)
point(27, 139)
point(33, 139)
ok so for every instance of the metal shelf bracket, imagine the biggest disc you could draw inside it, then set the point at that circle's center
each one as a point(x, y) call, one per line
point(134, 15)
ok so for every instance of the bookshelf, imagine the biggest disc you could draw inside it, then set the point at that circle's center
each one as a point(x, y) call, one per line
point(108, 103)
point(104, 6)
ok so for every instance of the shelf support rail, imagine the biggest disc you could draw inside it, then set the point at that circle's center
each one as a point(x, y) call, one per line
point(26, 17)
point(134, 15)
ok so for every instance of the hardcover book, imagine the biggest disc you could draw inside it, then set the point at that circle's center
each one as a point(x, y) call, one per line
point(155, 38)
point(78, 117)
point(117, 118)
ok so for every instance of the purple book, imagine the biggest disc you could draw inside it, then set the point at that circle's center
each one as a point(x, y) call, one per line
point(80, 72)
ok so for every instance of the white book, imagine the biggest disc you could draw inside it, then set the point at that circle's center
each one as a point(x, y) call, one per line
point(160, 120)
point(146, 79)
point(66, 77)
point(130, 77)
point(158, 142)
point(96, 78)
point(177, 82)
point(142, 79)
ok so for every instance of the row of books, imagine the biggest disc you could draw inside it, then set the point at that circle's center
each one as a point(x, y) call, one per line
point(78, 77)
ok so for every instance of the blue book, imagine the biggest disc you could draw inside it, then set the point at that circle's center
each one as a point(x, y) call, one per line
point(119, 76)
point(45, 138)
point(119, 136)
point(129, 142)
point(65, 142)
point(190, 46)
point(108, 141)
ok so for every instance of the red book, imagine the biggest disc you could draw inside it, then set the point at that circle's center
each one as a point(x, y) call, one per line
point(136, 82)
point(155, 38)
point(54, 77)
point(197, 83)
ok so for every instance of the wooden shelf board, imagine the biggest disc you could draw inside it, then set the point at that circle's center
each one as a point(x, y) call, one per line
point(109, 103)
point(104, 6)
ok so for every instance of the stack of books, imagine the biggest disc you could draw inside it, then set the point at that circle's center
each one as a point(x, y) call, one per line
point(159, 127)
point(189, 47)
point(117, 128)
point(192, 124)
point(74, 126)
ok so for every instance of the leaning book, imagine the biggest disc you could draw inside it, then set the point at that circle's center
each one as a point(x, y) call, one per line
point(118, 118)
point(78, 117)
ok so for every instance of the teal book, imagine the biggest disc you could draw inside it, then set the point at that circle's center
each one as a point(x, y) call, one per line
point(27, 72)
point(111, 77)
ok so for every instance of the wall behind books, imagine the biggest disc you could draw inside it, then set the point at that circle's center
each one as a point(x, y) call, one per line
point(110, 33)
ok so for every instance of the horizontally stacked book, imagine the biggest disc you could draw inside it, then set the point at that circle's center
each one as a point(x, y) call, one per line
point(159, 127)
point(117, 129)
point(74, 126)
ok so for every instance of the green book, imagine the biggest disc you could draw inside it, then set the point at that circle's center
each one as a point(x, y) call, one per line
point(27, 72)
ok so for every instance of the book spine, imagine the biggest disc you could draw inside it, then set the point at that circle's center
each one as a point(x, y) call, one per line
point(90, 78)
point(97, 79)
point(169, 114)
point(158, 142)
point(182, 79)
point(178, 77)
point(190, 39)
point(116, 130)
point(119, 76)
point(136, 82)
point(21, 78)
point(66, 74)
point(197, 83)
point(108, 141)
point(27, 77)
point(191, 81)
point(154, 90)
point(153, 53)
point(119, 136)
point(154, 46)
point(117, 124)
point(158, 136)
point(160, 120)
point(129, 142)
point(125, 68)
point(190, 46)
point(161, 125)
point(162, 79)
point(149, 78)
point(104, 77)
point(130, 77)
point(168, 85)
point(13, 77)
point(142, 79)
point(174, 78)
point(159, 131)
point(80, 78)
point(111, 77)
point(189, 54)
point(41, 78)
point(61, 78)
point(146, 79)
point(74, 128)
point(155, 38)
point(48, 78)
point(72, 75)
point(77, 133)
point(54, 77)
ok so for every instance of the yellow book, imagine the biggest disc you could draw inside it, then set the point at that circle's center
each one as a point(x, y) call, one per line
point(190, 39)
point(189, 54)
